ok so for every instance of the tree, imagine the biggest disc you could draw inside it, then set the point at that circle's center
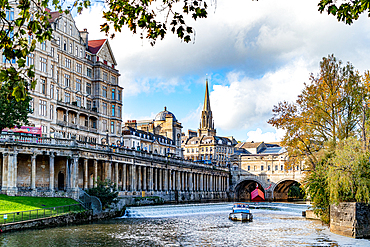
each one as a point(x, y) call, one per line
point(29, 20)
point(105, 191)
point(330, 108)
point(346, 12)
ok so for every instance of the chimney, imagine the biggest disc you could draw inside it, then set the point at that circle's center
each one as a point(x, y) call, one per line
point(85, 36)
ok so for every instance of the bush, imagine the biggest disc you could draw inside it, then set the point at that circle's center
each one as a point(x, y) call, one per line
point(105, 191)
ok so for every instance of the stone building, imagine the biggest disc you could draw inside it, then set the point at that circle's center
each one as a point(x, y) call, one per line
point(205, 146)
point(164, 124)
point(77, 91)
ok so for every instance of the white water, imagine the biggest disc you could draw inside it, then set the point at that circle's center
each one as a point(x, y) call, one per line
point(209, 208)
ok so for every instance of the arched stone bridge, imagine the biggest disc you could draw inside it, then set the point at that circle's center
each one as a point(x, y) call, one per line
point(274, 183)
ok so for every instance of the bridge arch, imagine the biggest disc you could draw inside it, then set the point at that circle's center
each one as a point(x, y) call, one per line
point(280, 189)
point(242, 190)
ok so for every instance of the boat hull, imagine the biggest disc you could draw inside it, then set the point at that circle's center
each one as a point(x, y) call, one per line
point(241, 216)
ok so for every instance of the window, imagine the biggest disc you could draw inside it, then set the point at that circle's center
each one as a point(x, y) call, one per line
point(249, 168)
point(65, 27)
point(113, 92)
point(81, 53)
point(51, 111)
point(112, 127)
point(52, 71)
point(43, 86)
point(52, 91)
point(261, 168)
point(88, 104)
point(89, 72)
point(30, 59)
point(57, 76)
point(105, 125)
point(113, 110)
point(78, 85)
point(66, 80)
point(119, 95)
point(78, 99)
point(76, 51)
point(70, 30)
point(58, 42)
point(30, 39)
point(70, 48)
point(268, 168)
point(65, 45)
point(43, 46)
point(67, 97)
point(105, 108)
point(113, 80)
point(43, 64)
point(104, 91)
point(42, 108)
point(105, 76)
point(57, 94)
point(52, 51)
point(88, 88)
point(68, 63)
point(93, 123)
point(281, 167)
point(57, 58)
point(31, 105)
point(9, 14)
point(118, 111)
point(78, 67)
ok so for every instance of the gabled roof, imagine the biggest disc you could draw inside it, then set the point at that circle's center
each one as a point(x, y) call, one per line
point(95, 45)
point(248, 144)
point(54, 15)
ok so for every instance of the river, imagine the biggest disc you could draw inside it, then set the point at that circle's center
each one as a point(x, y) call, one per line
point(274, 224)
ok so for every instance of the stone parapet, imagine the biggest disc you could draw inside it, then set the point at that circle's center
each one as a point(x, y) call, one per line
point(350, 219)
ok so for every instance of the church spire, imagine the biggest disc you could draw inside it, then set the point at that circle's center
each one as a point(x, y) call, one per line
point(206, 120)
point(207, 104)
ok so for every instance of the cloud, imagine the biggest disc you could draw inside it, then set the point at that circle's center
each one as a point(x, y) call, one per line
point(246, 101)
point(258, 136)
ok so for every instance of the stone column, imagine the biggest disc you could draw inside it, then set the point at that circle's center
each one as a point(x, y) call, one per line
point(169, 180)
point(139, 180)
point(124, 167)
point(160, 181)
point(227, 184)
point(133, 177)
point(95, 172)
point(151, 178)
point(4, 173)
point(75, 173)
point(165, 180)
point(33, 172)
point(201, 182)
point(191, 185)
point(116, 174)
point(51, 172)
point(86, 174)
point(15, 173)
point(185, 181)
point(145, 187)
point(178, 181)
point(155, 179)
point(211, 182)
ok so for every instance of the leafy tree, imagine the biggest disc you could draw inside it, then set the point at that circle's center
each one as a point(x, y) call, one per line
point(105, 191)
point(347, 11)
point(330, 108)
point(295, 191)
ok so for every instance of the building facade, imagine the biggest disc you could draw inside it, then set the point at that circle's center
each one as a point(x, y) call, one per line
point(77, 91)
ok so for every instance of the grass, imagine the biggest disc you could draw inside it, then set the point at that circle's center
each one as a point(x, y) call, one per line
point(14, 205)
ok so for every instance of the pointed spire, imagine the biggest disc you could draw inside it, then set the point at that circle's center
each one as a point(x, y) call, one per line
point(207, 104)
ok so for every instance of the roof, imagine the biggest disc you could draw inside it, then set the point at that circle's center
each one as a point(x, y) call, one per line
point(54, 15)
point(161, 116)
point(273, 150)
point(248, 144)
point(95, 45)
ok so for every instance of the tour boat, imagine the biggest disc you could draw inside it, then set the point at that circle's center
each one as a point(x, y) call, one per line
point(241, 212)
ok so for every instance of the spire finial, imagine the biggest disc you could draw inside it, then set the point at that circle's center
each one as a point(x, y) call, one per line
point(165, 108)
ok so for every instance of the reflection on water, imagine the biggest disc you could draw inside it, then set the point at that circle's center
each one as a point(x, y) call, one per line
point(274, 224)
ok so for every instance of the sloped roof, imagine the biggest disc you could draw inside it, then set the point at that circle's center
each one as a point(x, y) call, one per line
point(54, 16)
point(248, 144)
point(95, 45)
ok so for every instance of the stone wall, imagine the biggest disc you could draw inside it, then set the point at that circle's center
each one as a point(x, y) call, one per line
point(72, 218)
point(350, 219)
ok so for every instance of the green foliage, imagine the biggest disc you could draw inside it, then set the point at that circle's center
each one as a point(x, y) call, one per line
point(105, 191)
point(347, 11)
point(295, 191)
point(349, 173)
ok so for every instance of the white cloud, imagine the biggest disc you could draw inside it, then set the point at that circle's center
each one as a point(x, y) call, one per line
point(258, 136)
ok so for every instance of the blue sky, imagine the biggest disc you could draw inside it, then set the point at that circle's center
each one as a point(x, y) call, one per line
point(254, 53)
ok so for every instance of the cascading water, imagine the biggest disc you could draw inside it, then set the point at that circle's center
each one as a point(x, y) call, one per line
point(213, 208)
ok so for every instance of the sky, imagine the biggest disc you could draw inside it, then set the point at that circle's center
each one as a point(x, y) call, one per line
point(254, 54)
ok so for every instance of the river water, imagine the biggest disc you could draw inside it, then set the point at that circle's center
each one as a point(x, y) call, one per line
point(274, 224)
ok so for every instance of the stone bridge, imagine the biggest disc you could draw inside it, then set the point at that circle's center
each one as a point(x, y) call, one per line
point(60, 167)
point(271, 175)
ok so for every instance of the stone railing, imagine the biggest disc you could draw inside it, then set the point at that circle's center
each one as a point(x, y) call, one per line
point(168, 158)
